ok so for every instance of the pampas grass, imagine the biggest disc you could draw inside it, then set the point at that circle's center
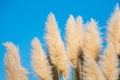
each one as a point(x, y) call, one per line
point(113, 34)
point(81, 53)
point(109, 63)
point(80, 42)
point(14, 69)
point(71, 41)
point(9, 68)
point(91, 70)
point(55, 46)
point(80, 33)
point(92, 40)
point(40, 62)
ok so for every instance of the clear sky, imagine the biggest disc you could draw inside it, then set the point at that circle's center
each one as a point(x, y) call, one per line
point(22, 20)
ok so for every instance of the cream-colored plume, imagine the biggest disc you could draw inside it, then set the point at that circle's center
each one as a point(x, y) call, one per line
point(80, 39)
point(39, 61)
point(56, 46)
point(109, 63)
point(92, 40)
point(71, 41)
point(114, 30)
point(91, 70)
point(80, 34)
point(14, 69)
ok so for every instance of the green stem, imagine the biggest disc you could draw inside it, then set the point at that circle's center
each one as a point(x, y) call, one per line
point(58, 73)
point(75, 74)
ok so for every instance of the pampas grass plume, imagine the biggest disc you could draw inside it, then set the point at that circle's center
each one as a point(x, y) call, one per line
point(113, 36)
point(72, 41)
point(109, 63)
point(14, 69)
point(80, 33)
point(91, 70)
point(92, 40)
point(39, 61)
point(55, 46)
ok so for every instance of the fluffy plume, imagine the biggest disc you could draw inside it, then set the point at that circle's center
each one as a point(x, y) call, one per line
point(71, 41)
point(80, 35)
point(80, 38)
point(114, 30)
point(56, 46)
point(39, 61)
point(92, 40)
point(9, 67)
point(109, 63)
point(14, 69)
point(91, 70)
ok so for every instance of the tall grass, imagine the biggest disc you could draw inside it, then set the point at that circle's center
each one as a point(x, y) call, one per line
point(81, 56)
point(14, 69)
point(40, 62)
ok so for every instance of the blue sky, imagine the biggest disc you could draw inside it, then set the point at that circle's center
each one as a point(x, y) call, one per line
point(22, 20)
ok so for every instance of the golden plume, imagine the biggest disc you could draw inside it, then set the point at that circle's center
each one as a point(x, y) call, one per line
point(39, 61)
point(55, 46)
point(14, 69)
point(109, 63)
point(71, 41)
point(91, 70)
point(80, 39)
point(92, 40)
point(80, 34)
point(113, 35)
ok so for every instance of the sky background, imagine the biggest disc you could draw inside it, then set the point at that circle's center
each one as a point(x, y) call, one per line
point(22, 20)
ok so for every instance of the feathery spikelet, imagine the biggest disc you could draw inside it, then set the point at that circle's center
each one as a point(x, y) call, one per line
point(14, 69)
point(9, 67)
point(40, 62)
point(114, 30)
point(56, 47)
point(91, 70)
point(109, 63)
point(80, 35)
point(80, 38)
point(92, 40)
point(71, 41)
